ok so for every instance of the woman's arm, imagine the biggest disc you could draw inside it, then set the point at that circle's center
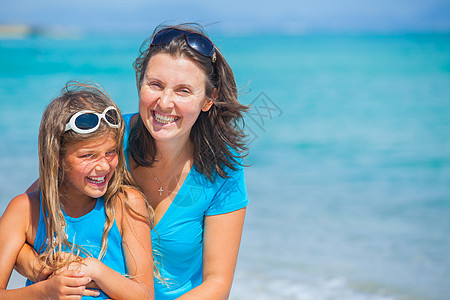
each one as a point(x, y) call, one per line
point(28, 266)
point(136, 241)
point(222, 237)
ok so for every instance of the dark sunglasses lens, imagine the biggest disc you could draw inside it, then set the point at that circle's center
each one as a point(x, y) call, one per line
point(86, 121)
point(112, 117)
point(165, 36)
point(200, 43)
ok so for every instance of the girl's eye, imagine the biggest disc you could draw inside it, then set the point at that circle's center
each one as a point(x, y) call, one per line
point(111, 154)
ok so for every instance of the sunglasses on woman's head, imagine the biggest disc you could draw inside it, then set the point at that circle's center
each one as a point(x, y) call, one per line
point(196, 41)
point(88, 121)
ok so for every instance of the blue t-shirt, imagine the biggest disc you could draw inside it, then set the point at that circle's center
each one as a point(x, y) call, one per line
point(178, 236)
point(86, 232)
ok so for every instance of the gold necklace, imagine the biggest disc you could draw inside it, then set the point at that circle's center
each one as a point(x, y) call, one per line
point(155, 178)
point(160, 190)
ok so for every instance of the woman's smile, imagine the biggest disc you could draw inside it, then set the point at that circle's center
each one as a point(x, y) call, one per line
point(164, 119)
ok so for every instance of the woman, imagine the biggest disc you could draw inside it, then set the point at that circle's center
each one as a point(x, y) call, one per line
point(184, 151)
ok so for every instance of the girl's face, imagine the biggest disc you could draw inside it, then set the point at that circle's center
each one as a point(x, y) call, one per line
point(172, 96)
point(89, 165)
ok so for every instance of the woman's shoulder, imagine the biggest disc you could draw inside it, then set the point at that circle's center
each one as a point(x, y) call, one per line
point(236, 163)
point(130, 119)
point(227, 171)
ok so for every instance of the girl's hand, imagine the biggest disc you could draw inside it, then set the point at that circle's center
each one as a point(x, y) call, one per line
point(86, 266)
point(67, 284)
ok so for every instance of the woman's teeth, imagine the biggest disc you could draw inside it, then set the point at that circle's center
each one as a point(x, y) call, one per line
point(97, 180)
point(164, 119)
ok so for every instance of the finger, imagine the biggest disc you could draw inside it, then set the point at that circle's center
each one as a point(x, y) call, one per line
point(74, 292)
point(73, 282)
point(93, 285)
point(91, 293)
point(71, 297)
point(78, 281)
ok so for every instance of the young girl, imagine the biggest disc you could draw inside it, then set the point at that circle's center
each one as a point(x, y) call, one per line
point(86, 222)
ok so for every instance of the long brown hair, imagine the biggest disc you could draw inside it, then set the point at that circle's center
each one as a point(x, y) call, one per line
point(217, 134)
point(53, 142)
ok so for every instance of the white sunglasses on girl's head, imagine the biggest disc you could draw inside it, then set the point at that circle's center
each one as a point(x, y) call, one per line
point(87, 121)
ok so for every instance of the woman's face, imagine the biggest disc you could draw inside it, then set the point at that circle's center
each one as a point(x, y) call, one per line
point(172, 96)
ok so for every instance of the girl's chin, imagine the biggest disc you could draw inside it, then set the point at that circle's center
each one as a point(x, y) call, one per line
point(97, 193)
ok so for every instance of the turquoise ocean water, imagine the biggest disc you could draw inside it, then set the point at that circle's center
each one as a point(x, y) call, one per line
point(350, 151)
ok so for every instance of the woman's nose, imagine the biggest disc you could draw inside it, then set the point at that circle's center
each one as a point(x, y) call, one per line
point(166, 100)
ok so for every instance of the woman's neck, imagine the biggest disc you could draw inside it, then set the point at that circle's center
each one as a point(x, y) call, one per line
point(169, 154)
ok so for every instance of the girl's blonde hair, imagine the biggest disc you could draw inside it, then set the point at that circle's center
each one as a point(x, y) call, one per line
point(53, 142)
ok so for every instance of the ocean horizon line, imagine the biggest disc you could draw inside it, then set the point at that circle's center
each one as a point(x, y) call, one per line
point(23, 30)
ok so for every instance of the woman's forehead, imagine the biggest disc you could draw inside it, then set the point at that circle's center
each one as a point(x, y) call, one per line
point(175, 67)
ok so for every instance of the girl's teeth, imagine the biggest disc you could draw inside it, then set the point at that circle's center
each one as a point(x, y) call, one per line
point(97, 179)
point(164, 119)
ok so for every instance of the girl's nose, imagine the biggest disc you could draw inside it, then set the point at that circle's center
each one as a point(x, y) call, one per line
point(102, 164)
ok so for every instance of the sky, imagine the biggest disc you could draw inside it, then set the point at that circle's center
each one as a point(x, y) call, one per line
point(234, 16)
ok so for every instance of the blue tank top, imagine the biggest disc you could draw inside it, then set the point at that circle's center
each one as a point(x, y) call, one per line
point(86, 232)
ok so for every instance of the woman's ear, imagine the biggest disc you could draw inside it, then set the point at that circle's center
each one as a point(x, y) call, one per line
point(207, 105)
point(209, 100)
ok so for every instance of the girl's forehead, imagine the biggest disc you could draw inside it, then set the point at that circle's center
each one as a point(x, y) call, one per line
point(99, 143)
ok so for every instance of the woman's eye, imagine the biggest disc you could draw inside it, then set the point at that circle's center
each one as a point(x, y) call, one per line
point(184, 92)
point(155, 85)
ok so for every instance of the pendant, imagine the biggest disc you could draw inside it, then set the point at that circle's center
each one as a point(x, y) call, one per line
point(160, 190)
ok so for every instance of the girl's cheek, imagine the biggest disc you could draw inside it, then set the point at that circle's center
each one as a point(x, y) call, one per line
point(85, 166)
point(114, 163)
